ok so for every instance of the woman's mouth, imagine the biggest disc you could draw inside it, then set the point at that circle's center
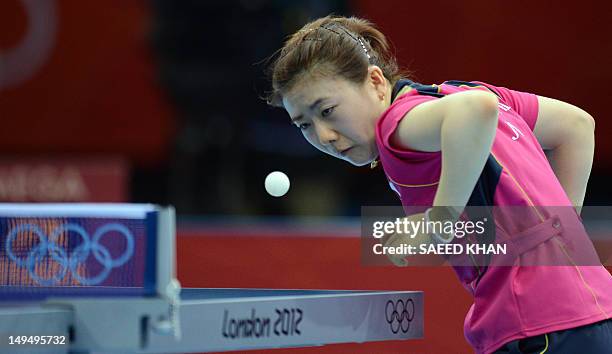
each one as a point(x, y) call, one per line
point(345, 151)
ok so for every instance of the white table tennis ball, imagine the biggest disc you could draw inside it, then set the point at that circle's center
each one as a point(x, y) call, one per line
point(277, 184)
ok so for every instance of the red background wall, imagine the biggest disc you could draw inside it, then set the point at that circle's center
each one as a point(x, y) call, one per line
point(96, 92)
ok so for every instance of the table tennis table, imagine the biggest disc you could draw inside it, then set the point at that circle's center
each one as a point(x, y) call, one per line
point(214, 320)
point(88, 278)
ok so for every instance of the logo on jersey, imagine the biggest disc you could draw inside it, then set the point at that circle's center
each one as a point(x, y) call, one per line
point(517, 132)
point(503, 106)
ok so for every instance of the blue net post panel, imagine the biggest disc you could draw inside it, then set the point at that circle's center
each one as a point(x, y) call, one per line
point(57, 250)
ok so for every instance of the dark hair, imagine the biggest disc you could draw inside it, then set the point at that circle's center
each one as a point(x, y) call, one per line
point(331, 45)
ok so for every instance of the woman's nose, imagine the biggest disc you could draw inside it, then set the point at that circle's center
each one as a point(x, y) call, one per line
point(325, 135)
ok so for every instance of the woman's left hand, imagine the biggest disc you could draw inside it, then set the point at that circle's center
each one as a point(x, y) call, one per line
point(398, 239)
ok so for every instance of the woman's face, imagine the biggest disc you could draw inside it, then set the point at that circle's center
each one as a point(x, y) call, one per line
point(337, 116)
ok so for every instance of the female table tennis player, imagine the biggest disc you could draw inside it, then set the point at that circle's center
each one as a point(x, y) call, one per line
point(437, 143)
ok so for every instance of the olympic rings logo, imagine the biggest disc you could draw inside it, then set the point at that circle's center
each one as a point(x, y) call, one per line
point(88, 246)
point(399, 315)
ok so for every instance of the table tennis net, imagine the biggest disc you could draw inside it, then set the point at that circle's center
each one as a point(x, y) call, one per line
point(43, 253)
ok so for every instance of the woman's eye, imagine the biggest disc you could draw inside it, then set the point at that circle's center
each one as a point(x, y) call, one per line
point(303, 126)
point(327, 111)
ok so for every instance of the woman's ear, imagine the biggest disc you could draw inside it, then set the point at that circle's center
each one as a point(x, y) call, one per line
point(377, 80)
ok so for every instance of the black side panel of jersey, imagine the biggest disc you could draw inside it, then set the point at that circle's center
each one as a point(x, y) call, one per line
point(482, 198)
point(483, 192)
point(430, 90)
point(469, 84)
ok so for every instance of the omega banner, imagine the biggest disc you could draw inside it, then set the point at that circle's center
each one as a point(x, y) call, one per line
point(95, 179)
point(479, 237)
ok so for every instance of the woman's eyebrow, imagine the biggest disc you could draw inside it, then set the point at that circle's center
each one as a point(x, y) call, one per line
point(317, 102)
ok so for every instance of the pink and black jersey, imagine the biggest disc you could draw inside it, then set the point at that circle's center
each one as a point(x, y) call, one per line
point(510, 302)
